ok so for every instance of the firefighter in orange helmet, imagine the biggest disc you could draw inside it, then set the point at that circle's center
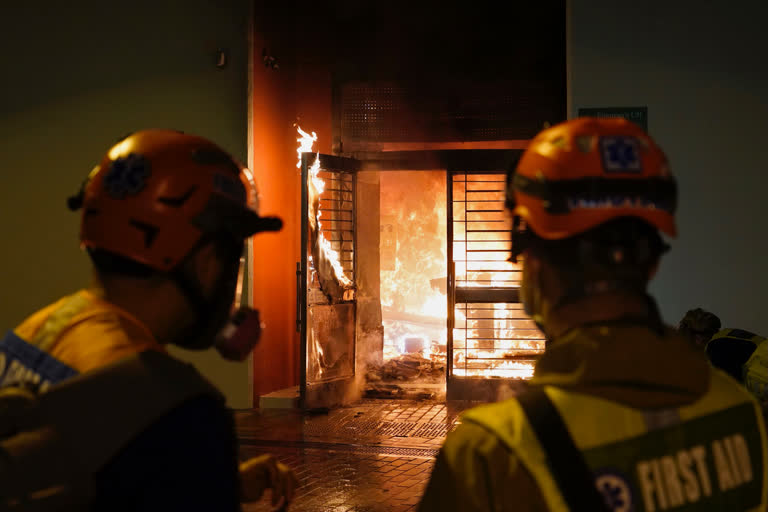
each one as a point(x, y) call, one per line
point(622, 412)
point(165, 218)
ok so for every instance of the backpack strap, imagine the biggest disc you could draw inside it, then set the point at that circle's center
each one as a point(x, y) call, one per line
point(569, 469)
point(78, 426)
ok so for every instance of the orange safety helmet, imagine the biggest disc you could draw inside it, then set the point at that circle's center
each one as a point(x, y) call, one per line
point(582, 173)
point(157, 192)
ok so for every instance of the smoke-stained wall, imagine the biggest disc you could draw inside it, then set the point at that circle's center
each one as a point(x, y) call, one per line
point(700, 69)
point(76, 77)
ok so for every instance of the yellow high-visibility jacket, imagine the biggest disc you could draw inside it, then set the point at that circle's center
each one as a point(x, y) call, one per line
point(658, 427)
point(98, 380)
point(81, 331)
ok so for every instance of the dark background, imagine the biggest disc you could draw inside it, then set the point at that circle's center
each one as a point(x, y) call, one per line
point(76, 77)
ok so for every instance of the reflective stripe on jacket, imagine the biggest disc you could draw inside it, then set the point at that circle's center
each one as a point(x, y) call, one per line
point(101, 379)
point(709, 455)
point(756, 372)
point(77, 334)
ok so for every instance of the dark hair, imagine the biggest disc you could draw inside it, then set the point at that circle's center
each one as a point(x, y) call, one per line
point(624, 250)
point(110, 264)
point(698, 322)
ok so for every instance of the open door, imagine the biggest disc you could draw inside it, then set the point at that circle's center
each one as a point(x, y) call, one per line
point(492, 343)
point(326, 285)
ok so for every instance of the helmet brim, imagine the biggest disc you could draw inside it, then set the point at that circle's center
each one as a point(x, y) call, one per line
point(224, 215)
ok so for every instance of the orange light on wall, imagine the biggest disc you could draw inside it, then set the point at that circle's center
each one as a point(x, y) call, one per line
point(280, 97)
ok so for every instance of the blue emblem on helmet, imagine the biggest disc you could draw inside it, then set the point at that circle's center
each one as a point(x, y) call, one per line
point(126, 176)
point(620, 154)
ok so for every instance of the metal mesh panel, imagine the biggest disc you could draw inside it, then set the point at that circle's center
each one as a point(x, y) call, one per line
point(432, 430)
point(371, 112)
point(395, 428)
point(445, 110)
point(356, 426)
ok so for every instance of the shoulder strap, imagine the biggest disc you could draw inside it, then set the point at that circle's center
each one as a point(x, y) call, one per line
point(569, 469)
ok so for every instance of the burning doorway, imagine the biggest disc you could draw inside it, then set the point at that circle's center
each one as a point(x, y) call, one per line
point(450, 311)
point(413, 285)
point(421, 299)
point(399, 92)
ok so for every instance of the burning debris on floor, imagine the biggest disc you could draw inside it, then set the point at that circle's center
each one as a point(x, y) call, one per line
point(408, 367)
point(409, 375)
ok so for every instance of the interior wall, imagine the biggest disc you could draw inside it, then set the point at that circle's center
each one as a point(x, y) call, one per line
point(698, 67)
point(78, 77)
point(369, 331)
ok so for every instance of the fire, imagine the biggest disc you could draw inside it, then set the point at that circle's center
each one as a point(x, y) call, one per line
point(306, 141)
point(321, 356)
point(413, 263)
point(497, 340)
point(316, 186)
point(476, 360)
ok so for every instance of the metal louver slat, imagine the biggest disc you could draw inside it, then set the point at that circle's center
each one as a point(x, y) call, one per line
point(492, 336)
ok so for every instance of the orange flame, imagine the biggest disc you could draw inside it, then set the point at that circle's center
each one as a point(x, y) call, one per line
point(413, 309)
point(306, 141)
point(316, 186)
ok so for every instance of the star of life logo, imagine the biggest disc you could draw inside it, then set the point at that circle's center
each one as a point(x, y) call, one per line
point(615, 489)
point(620, 154)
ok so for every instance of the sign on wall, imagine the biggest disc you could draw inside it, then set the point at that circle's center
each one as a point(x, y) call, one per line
point(637, 115)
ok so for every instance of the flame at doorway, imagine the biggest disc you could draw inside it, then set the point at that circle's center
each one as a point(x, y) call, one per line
point(490, 340)
point(413, 263)
point(325, 260)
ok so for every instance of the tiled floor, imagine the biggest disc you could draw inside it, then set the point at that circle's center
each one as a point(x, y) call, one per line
point(349, 480)
point(374, 456)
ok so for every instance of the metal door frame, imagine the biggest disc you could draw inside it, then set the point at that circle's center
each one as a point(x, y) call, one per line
point(334, 163)
point(469, 388)
point(452, 161)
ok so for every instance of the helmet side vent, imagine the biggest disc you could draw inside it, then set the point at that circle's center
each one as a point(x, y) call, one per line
point(150, 231)
point(178, 202)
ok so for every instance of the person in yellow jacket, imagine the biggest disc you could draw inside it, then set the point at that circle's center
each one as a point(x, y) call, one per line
point(165, 218)
point(741, 354)
point(622, 412)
